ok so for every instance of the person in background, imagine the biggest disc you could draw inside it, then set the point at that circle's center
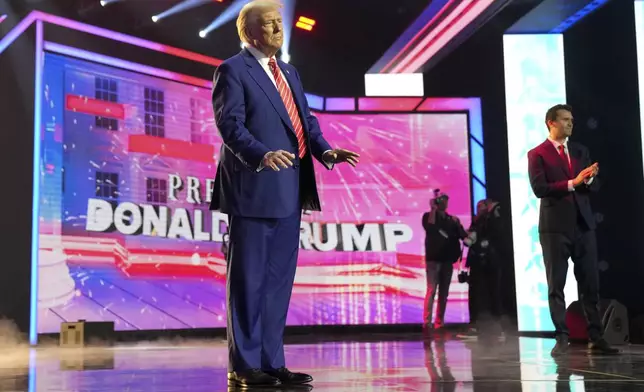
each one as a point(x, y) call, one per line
point(443, 235)
point(484, 240)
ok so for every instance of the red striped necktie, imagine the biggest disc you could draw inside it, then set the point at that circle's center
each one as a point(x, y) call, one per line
point(291, 108)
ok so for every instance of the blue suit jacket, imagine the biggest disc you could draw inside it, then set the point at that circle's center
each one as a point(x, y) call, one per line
point(252, 121)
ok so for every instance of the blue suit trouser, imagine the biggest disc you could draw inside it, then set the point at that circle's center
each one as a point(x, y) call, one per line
point(262, 260)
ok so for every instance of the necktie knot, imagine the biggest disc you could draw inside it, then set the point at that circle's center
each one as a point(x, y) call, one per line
point(272, 64)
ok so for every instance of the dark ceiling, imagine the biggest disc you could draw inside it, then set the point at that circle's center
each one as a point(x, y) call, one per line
point(349, 37)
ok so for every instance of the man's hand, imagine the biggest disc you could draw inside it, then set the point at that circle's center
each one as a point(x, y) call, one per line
point(595, 167)
point(275, 159)
point(340, 155)
point(586, 174)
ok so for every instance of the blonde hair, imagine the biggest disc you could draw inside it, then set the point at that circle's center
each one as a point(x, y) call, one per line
point(249, 14)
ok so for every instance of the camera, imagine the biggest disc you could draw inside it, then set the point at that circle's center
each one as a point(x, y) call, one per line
point(439, 197)
point(470, 239)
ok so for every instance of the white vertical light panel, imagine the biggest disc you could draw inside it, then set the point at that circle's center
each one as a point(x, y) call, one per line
point(534, 81)
point(639, 36)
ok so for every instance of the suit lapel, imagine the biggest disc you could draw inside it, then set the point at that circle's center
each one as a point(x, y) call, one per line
point(259, 75)
point(574, 160)
point(551, 150)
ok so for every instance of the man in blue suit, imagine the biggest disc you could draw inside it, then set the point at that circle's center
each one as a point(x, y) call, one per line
point(265, 178)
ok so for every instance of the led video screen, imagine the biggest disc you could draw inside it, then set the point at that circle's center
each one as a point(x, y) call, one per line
point(125, 232)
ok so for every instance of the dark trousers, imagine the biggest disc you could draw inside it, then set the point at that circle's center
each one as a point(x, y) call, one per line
point(439, 278)
point(471, 304)
point(485, 297)
point(261, 270)
point(581, 246)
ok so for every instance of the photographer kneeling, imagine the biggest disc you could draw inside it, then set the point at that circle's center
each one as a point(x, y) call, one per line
point(485, 266)
point(442, 249)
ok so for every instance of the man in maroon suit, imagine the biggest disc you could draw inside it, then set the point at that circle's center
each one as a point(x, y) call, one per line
point(562, 176)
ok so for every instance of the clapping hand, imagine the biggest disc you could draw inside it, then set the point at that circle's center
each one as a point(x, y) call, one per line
point(595, 169)
point(586, 174)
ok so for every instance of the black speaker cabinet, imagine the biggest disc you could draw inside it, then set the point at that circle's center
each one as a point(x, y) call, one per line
point(83, 333)
point(614, 318)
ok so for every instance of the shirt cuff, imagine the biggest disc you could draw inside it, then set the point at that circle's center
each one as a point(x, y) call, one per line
point(261, 164)
point(329, 165)
point(589, 181)
point(571, 187)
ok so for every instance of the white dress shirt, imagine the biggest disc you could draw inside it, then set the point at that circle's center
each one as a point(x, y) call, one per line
point(571, 187)
point(263, 61)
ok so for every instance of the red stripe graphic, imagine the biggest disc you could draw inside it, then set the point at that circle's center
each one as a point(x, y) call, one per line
point(171, 148)
point(94, 107)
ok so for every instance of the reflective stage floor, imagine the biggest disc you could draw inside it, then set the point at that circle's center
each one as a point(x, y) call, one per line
point(443, 364)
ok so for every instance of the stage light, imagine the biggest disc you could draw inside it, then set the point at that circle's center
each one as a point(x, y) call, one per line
point(306, 20)
point(286, 57)
point(305, 23)
point(304, 26)
point(181, 6)
point(3, 17)
point(203, 33)
point(105, 3)
point(229, 14)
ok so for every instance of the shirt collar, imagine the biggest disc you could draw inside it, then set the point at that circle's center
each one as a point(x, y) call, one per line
point(557, 144)
point(261, 57)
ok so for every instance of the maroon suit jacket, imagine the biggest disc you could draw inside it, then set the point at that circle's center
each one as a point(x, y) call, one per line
point(549, 175)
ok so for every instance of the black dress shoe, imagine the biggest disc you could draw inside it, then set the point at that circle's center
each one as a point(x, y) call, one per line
point(252, 378)
point(561, 347)
point(282, 388)
point(601, 347)
point(287, 377)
